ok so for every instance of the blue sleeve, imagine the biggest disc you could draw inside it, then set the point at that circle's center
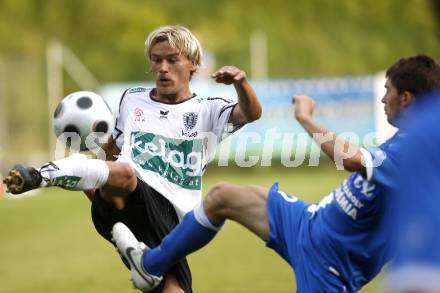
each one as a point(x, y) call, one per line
point(381, 163)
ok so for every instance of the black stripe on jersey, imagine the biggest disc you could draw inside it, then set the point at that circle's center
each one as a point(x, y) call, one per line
point(226, 108)
point(235, 128)
point(119, 132)
point(218, 98)
point(119, 112)
point(120, 101)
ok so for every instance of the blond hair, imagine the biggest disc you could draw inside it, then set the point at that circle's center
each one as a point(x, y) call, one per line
point(178, 37)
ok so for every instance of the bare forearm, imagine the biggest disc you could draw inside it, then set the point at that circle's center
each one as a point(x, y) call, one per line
point(336, 148)
point(248, 102)
point(248, 108)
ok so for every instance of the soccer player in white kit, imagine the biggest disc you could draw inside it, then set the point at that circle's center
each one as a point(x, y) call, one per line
point(163, 138)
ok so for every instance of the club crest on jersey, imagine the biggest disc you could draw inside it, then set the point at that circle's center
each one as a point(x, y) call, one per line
point(190, 120)
point(139, 115)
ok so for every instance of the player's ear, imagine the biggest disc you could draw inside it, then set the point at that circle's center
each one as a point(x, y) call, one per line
point(193, 66)
point(407, 98)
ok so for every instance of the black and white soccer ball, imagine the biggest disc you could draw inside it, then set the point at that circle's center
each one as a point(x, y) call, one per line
point(83, 120)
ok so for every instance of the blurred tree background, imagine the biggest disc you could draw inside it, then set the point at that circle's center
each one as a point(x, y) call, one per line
point(305, 38)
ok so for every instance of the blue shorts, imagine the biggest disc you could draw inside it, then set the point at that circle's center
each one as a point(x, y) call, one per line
point(290, 227)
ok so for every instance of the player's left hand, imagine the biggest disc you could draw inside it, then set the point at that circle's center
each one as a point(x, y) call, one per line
point(303, 107)
point(229, 75)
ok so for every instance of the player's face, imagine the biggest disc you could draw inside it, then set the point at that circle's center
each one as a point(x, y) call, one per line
point(171, 71)
point(393, 102)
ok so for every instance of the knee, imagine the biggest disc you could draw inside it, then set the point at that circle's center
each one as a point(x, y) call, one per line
point(217, 196)
point(121, 182)
point(121, 177)
point(127, 176)
point(219, 199)
point(126, 171)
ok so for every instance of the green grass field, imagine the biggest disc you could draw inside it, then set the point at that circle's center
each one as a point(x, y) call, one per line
point(48, 242)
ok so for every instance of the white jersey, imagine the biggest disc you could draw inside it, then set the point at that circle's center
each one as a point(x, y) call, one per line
point(169, 145)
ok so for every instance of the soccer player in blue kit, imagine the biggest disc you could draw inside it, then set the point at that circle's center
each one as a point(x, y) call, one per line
point(416, 267)
point(336, 245)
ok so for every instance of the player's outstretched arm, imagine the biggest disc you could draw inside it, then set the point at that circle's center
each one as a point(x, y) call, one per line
point(248, 108)
point(337, 148)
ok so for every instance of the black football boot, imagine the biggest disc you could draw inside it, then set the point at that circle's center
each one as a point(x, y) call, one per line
point(22, 179)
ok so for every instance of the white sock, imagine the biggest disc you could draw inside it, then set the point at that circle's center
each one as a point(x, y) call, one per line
point(202, 218)
point(75, 172)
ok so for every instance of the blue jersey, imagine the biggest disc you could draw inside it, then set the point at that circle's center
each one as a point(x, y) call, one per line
point(342, 242)
point(417, 188)
point(351, 222)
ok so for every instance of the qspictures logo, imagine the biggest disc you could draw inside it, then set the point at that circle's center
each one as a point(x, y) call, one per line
point(177, 160)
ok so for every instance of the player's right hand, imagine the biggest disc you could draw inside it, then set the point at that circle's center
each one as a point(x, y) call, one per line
point(229, 75)
point(303, 107)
